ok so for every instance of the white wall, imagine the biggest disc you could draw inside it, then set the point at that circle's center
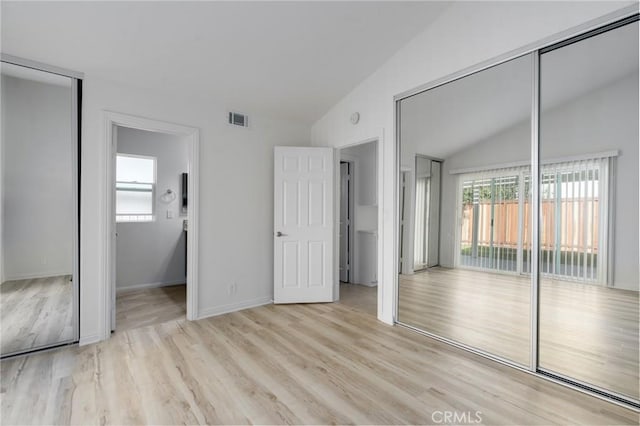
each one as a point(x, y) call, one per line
point(37, 189)
point(236, 196)
point(150, 254)
point(464, 35)
point(365, 215)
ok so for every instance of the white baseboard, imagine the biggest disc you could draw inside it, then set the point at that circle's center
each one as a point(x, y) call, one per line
point(35, 276)
point(148, 285)
point(233, 307)
point(89, 340)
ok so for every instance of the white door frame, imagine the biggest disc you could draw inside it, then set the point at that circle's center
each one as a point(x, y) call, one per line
point(192, 136)
point(385, 290)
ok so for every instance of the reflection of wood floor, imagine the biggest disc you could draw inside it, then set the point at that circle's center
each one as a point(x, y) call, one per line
point(282, 364)
point(587, 332)
point(150, 306)
point(35, 313)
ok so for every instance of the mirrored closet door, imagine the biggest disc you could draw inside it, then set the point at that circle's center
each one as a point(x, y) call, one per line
point(539, 218)
point(589, 211)
point(470, 280)
point(39, 288)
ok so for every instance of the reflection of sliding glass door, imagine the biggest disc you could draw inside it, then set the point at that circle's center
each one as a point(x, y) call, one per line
point(495, 217)
point(491, 209)
point(573, 213)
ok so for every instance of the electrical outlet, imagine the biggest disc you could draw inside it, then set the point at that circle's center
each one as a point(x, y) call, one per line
point(233, 288)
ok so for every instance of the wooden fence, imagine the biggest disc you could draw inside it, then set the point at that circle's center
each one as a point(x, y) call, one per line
point(579, 221)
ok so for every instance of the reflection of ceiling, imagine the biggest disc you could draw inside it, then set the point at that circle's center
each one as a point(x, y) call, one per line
point(34, 75)
point(449, 118)
point(583, 67)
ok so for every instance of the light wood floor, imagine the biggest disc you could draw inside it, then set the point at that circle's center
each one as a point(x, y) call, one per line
point(277, 364)
point(360, 297)
point(150, 306)
point(35, 313)
point(587, 332)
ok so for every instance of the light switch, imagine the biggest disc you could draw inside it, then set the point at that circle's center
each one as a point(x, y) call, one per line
point(169, 214)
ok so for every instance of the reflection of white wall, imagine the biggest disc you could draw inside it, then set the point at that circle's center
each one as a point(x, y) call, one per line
point(603, 120)
point(37, 193)
point(153, 253)
point(365, 218)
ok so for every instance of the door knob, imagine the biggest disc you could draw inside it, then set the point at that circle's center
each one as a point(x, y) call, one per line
point(280, 234)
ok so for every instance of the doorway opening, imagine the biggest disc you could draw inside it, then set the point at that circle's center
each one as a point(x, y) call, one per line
point(151, 227)
point(346, 211)
point(358, 226)
point(151, 221)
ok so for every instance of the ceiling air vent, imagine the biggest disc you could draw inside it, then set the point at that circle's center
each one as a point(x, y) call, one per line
point(238, 119)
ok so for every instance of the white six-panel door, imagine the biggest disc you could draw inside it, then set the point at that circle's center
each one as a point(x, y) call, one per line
point(303, 225)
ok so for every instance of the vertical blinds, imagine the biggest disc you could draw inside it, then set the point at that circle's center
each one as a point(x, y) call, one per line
point(495, 219)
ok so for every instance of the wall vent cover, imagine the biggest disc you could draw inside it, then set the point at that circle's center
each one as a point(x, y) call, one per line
point(238, 119)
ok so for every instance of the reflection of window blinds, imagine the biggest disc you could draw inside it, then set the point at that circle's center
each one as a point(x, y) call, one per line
point(573, 210)
point(495, 231)
point(545, 161)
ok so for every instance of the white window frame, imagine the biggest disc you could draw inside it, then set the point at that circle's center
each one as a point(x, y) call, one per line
point(139, 218)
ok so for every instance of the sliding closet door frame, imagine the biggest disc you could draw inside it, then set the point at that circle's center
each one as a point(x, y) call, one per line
point(534, 49)
point(40, 66)
point(536, 243)
point(76, 97)
point(535, 211)
point(76, 127)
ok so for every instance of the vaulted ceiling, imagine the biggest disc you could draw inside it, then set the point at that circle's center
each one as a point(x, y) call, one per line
point(285, 59)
